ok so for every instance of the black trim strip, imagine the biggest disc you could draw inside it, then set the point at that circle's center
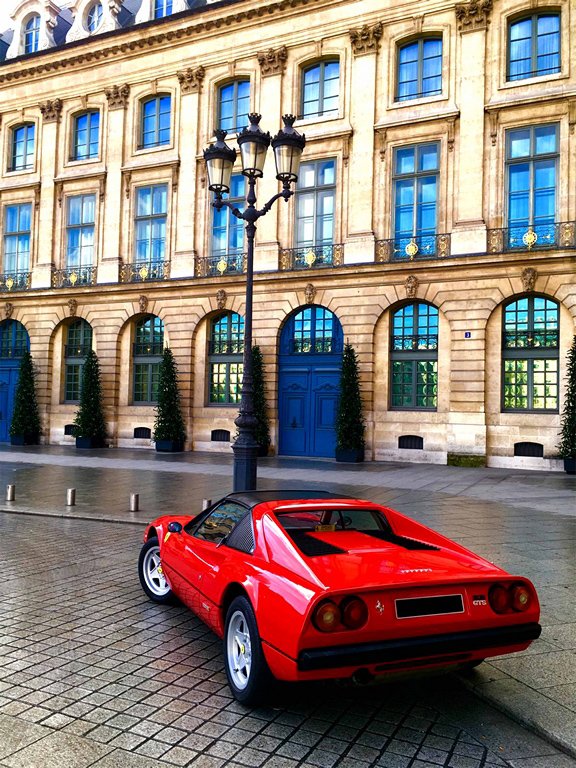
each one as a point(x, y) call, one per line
point(415, 647)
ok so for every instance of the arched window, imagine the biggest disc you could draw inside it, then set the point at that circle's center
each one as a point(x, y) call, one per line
point(94, 17)
point(530, 337)
point(225, 354)
point(78, 344)
point(234, 106)
point(14, 339)
point(534, 46)
point(146, 357)
point(414, 357)
point(321, 89)
point(22, 147)
point(162, 8)
point(312, 331)
point(155, 121)
point(86, 135)
point(419, 69)
point(32, 34)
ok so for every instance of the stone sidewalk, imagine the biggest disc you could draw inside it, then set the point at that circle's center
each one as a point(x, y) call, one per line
point(523, 521)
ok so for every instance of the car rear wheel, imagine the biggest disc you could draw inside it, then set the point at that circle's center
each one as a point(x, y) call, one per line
point(246, 668)
point(151, 575)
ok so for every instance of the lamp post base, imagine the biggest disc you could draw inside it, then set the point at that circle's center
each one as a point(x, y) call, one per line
point(245, 466)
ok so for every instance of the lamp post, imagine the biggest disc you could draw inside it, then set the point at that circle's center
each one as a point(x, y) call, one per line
point(288, 145)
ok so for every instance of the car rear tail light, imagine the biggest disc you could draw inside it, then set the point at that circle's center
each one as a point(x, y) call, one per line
point(354, 612)
point(499, 599)
point(508, 599)
point(327, 616)
point(521, 597)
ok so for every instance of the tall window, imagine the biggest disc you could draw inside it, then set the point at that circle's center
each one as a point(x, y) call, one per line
point(86, 136)
point(321, 89)
point(228, 231)
point(80, 233)
point(155, 125)
point(532, 161)
point(78, 344)
point(315, 198)
point(147, 356)
point(420, 69)
point(534, 46)
point(162, 8)
point(94, 17)
point(14, 339)
point(17, 226)
point(530, 338)
point(225, 351)
point(314, 332)
point(415, 198)
point(414, 357)
point(151, 213)
point(234, 106)
point(32, 34)
point(22, 154)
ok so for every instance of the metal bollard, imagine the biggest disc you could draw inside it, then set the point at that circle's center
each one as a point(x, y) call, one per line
point(134, 502)
point(71, 497)
point(10, 492)
point(206, 503)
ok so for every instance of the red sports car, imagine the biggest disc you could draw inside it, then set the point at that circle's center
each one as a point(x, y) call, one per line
point(309, 585)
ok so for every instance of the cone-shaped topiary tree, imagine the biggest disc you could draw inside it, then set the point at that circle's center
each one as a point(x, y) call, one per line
point(567, 444)
point(262, 431)
point(25, 425)
point(349, 415)
point(169, 428)
point(89, 423)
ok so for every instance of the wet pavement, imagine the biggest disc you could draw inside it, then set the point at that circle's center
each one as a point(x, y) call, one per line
point(91, 673)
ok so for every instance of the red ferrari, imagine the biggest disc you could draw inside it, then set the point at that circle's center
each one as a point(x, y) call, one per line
point(308, 585)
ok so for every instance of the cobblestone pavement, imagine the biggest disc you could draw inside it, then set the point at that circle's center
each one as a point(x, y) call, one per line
point(93, 674)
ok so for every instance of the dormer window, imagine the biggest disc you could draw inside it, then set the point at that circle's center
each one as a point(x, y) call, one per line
point(32, 34)
point(162, 8)
point(94, 17)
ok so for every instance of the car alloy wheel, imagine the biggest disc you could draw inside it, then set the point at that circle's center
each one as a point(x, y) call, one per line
point(239, 650)
point(151, 574)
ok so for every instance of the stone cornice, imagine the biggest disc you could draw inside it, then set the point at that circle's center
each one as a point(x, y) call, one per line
point(147, 42)
point(473, 15)
point(366, 39)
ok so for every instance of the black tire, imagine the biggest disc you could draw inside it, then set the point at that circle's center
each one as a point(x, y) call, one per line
point(248, 674)
point(150, 573)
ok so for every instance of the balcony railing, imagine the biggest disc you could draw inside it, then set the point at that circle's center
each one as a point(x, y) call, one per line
point(15, 281)
point(144, 271)
point(410, 342)
point(416, 248)
point(77, 350)
point(530, 340)
point(220, 264)
point(73, 277)
point(234, 347)
point(14, 351)
point(534, 237)
point(312, 257)
point(148, 349)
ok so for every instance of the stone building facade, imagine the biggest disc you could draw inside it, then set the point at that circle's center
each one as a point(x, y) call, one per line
point(434, 226)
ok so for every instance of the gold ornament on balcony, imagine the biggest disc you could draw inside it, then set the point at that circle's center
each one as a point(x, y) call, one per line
point(529, 238)
point(222, 266)
point(143, 272)
point(9, 283)
point(73, 278)
point(411, 249)
point(310, 257)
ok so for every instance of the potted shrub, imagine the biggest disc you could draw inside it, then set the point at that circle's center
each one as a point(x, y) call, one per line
point(349, 415)
point(567, 445)
point(169, 429)
point(25, 425)
point(262, 431)
point(89, 423)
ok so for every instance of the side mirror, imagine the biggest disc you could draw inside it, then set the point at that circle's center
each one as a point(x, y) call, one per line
point(175, 527)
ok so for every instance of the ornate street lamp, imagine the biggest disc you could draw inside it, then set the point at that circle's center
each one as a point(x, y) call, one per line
point(288, 145)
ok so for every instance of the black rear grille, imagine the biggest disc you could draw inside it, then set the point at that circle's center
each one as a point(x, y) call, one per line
point(313, 547)
point(401, 541)
point(411, 607)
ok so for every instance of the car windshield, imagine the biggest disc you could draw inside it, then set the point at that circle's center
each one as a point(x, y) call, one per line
point(328, 520)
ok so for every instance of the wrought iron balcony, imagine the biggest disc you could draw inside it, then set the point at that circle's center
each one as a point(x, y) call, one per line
point(148, 349)
point(417, 248)
point(77, 350)
point(410, 342)
point(530, 339)
point(233, 347)
point(312, 257)
point(532, 237)
point(220, 264)
point(15, 351)
point(73, 277)
point(144, 271)
point(15, 281)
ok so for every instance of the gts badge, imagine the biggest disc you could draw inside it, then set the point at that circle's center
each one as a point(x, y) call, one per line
point(479, 600)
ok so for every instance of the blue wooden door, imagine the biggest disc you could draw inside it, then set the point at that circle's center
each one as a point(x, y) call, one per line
point(309, 380)
point(14, 340)
point(8, 379)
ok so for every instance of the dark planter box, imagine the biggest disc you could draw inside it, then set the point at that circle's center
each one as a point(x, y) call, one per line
point(89, 442)
point(26, 439)
point(169, 446)
point(570, 466)
point(351, 455)
point(262, 451)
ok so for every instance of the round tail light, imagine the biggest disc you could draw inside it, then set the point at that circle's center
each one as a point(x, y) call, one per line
point(354, 612)
point(327, 616)
point(499, 598)
point(521, 597)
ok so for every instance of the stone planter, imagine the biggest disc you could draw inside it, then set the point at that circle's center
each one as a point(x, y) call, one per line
point(350, 455)
point(570, 466)
point(25, 439)
point(169, 446)
point(89, 442)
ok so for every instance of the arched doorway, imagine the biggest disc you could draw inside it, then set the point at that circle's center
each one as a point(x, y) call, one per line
point(310, 360)
point(14, 341)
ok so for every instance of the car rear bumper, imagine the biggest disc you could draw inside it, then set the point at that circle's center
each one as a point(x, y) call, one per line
point(504, 639)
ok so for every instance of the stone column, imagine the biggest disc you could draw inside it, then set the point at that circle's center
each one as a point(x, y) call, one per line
point(114, 201)
point(44, 206)
point(469, 229)
point(359, 150)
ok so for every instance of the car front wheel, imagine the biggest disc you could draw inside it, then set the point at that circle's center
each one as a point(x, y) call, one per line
point(151, 574)
point(246, 668)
